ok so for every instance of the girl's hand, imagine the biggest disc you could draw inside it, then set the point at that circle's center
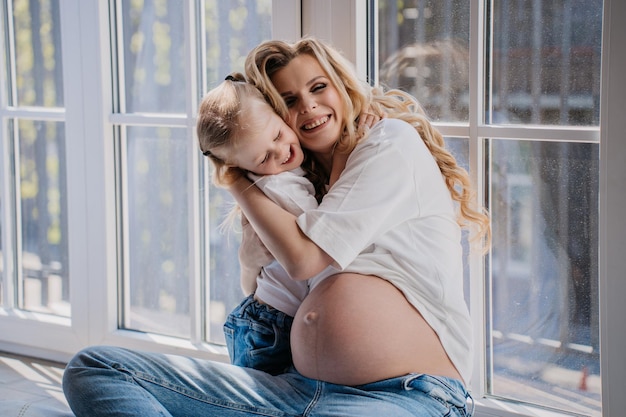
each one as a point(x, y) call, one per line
point(365, 121)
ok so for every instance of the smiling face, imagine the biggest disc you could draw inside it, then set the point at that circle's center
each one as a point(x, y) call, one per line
point(265, 144)
point(315, 107)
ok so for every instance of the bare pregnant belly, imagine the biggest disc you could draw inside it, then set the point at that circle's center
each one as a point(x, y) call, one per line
point(355, 329)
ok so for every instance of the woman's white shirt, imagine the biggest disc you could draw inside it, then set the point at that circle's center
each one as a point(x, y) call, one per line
point(390, 214)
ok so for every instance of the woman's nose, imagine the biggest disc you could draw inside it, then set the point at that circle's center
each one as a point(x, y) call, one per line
point(307, 104)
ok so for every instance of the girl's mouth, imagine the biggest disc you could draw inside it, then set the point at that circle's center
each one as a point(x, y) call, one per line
point(290, 156)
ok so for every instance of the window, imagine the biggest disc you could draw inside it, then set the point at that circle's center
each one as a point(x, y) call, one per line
point(34, 157)
point(531, 97)
point(110, 226)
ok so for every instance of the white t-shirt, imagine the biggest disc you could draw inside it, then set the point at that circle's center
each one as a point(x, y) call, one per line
point(293, 192)
point(390, 214)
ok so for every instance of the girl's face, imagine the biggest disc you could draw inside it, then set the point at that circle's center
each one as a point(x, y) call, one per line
point(265, 144)
point(315, 107)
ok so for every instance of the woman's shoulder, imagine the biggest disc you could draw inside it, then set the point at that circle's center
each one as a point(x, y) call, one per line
point(392, 130)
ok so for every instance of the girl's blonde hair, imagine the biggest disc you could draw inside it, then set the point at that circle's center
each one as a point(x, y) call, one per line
point(220, 120)
point(358, 97)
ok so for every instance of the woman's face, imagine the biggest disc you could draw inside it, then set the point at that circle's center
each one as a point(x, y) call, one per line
point(315, 107)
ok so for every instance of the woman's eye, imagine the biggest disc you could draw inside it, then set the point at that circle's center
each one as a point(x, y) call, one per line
point(318, 87)
point(290, 101)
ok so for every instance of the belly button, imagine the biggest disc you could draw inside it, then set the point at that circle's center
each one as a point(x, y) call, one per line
point(310, 317)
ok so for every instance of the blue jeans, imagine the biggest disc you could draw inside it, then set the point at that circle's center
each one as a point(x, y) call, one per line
point(257, 336)
point(115, 382)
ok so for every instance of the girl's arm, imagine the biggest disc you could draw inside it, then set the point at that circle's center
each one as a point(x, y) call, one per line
point(253, 255)
point(278, 230)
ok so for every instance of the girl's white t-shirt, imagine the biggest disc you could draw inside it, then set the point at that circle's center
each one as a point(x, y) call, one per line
point(293, 192)
point(390, 214)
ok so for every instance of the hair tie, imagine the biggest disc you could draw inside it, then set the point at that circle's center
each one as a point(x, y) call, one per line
point(206, 153)
point(229, 77)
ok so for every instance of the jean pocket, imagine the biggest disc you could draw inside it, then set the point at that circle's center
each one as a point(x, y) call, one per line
point(448, 392)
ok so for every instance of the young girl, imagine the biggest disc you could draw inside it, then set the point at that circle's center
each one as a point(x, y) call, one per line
point(242, 135)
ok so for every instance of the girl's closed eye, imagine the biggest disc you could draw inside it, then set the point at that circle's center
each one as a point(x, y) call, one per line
point(289, 101)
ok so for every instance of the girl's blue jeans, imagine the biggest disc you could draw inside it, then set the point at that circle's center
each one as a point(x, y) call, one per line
point(257, 336)
point(112, 381)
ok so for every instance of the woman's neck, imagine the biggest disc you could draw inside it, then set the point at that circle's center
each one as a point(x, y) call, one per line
point(326, 158)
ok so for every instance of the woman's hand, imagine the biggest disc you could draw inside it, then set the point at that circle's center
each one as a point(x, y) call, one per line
point(253, 255)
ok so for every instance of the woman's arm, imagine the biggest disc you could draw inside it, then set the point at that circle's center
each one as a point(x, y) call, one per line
point(278, 230)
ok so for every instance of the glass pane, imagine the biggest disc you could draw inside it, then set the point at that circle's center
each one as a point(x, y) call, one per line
point(423, 49)
point(154, 61)
point(38, 62)
point(43, 200)
point(459, 147)
point(546, 62)
point(232, 29)
point(224, 286)
point(544, 334)
point(158, 213)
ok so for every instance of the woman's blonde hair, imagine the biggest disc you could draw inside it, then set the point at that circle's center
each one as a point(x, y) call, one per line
point(219, 122)
point(358, 97)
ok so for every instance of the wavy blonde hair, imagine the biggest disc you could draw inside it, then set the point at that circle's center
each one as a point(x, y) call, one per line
point(358, 97)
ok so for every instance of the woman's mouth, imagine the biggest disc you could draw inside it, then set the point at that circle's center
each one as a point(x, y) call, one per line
point(316, 123)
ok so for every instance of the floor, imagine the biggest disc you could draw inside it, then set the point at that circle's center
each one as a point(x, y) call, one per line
point(31, 388)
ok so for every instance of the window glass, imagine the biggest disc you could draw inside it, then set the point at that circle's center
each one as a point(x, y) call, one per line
point(42, 191)
point(38, 64)
point(153, 66)
point(545, 334)
point(232, 29)
point(423, 49)
point(459, 147)
point(34, 160)
point(546, 62)
point(157, 285)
